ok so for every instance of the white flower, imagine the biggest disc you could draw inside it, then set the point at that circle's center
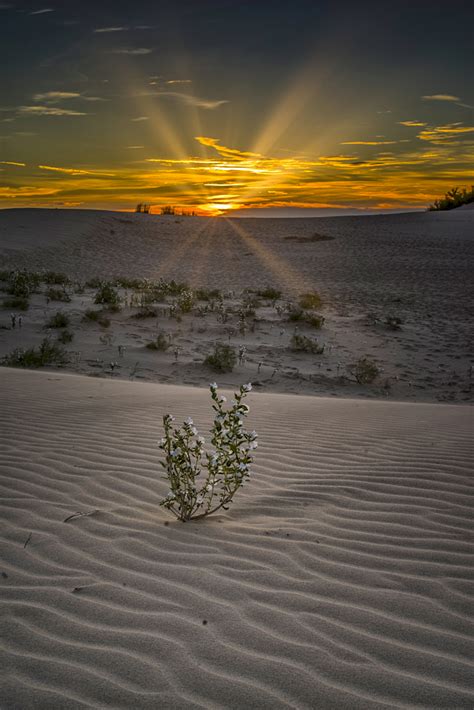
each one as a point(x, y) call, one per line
point(253, 434)
point(222, 399)
point(213, 385)
point(253, 445)
point(174, 453)
point(199, 500)
point(194, 431)
point(243, 467)
point(162, 441)
point(171, 495)
point(209, 487)
point(171, 418)
point(189, 421)
point(247, 387)
point(201, 440)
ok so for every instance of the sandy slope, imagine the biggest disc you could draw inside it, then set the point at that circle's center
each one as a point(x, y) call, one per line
point(341, 578)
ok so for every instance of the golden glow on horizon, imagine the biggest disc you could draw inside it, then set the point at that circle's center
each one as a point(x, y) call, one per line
point(249, 179)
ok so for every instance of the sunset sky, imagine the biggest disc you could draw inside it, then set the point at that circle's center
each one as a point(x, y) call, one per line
point(233, 105)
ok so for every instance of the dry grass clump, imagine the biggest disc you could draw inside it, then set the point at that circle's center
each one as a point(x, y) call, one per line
point(93, 316)
point(301, 343)
point(59, 320)
point(309, 301)
point(57, 294)
point(160, 343)
point(18, 303)
point(145, 312)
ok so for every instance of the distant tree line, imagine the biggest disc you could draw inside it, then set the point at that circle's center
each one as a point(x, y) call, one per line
point(166, 210)
point(453, 198)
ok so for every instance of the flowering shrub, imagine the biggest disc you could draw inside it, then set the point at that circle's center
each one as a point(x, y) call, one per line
point(201, 482)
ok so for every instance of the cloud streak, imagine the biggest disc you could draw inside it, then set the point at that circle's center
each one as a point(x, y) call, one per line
point(190, 100)
point(43, 11)
point(441, 97)
point(48, 111)
point(103, 30)
point(139, 51)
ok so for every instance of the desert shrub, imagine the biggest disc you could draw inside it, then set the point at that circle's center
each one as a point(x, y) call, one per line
point(225, 468)
point(310, 300)
point(55, 278)
point(145, 312)
point(57, 294)
point(48, 353)
point(59, 320)
point(185, 301)
point(203, 294)
point(23, 283)
point(272, 294)
point(18, 303)
point(301, 343)
point(364, 370)
point(95, 282)
point(99, 317)
point(135, 284)
point(223, 359)
point(313, 320)
point(66, 336)
point(454, 198)
point(160, 343)
point(250, 300)
point(297, 314)
point(107, 295)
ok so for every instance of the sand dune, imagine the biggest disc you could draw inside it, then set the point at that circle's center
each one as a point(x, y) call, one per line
point(415, 266)
point(342, 577)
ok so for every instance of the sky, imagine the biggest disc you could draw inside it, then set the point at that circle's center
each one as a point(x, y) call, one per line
point(241, 107)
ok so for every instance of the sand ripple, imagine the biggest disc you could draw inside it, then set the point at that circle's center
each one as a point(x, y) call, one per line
point(341, 578)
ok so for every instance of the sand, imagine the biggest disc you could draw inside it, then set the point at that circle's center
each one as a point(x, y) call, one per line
point(340, 578)
point(415, 267)
point(342, 575)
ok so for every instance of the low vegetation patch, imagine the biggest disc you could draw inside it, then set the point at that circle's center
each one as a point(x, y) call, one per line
point(107, 295)
point(57, 294)
point(365, 371)
point(48, 353)
point(55, 278)
point(298, 315)
point(223, 359)
point(203, 294)
point(272, 294)
point(59, 320)
point(185, 301)
point(309, 301)
point(65, 337)
point(301, 343)
point(453, 198)
point(18, 303)
point(160, 343)
point(23, 283)
point(93, 316)
point(145, 312)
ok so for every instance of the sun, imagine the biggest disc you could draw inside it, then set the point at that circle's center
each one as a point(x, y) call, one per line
point(219, 208)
